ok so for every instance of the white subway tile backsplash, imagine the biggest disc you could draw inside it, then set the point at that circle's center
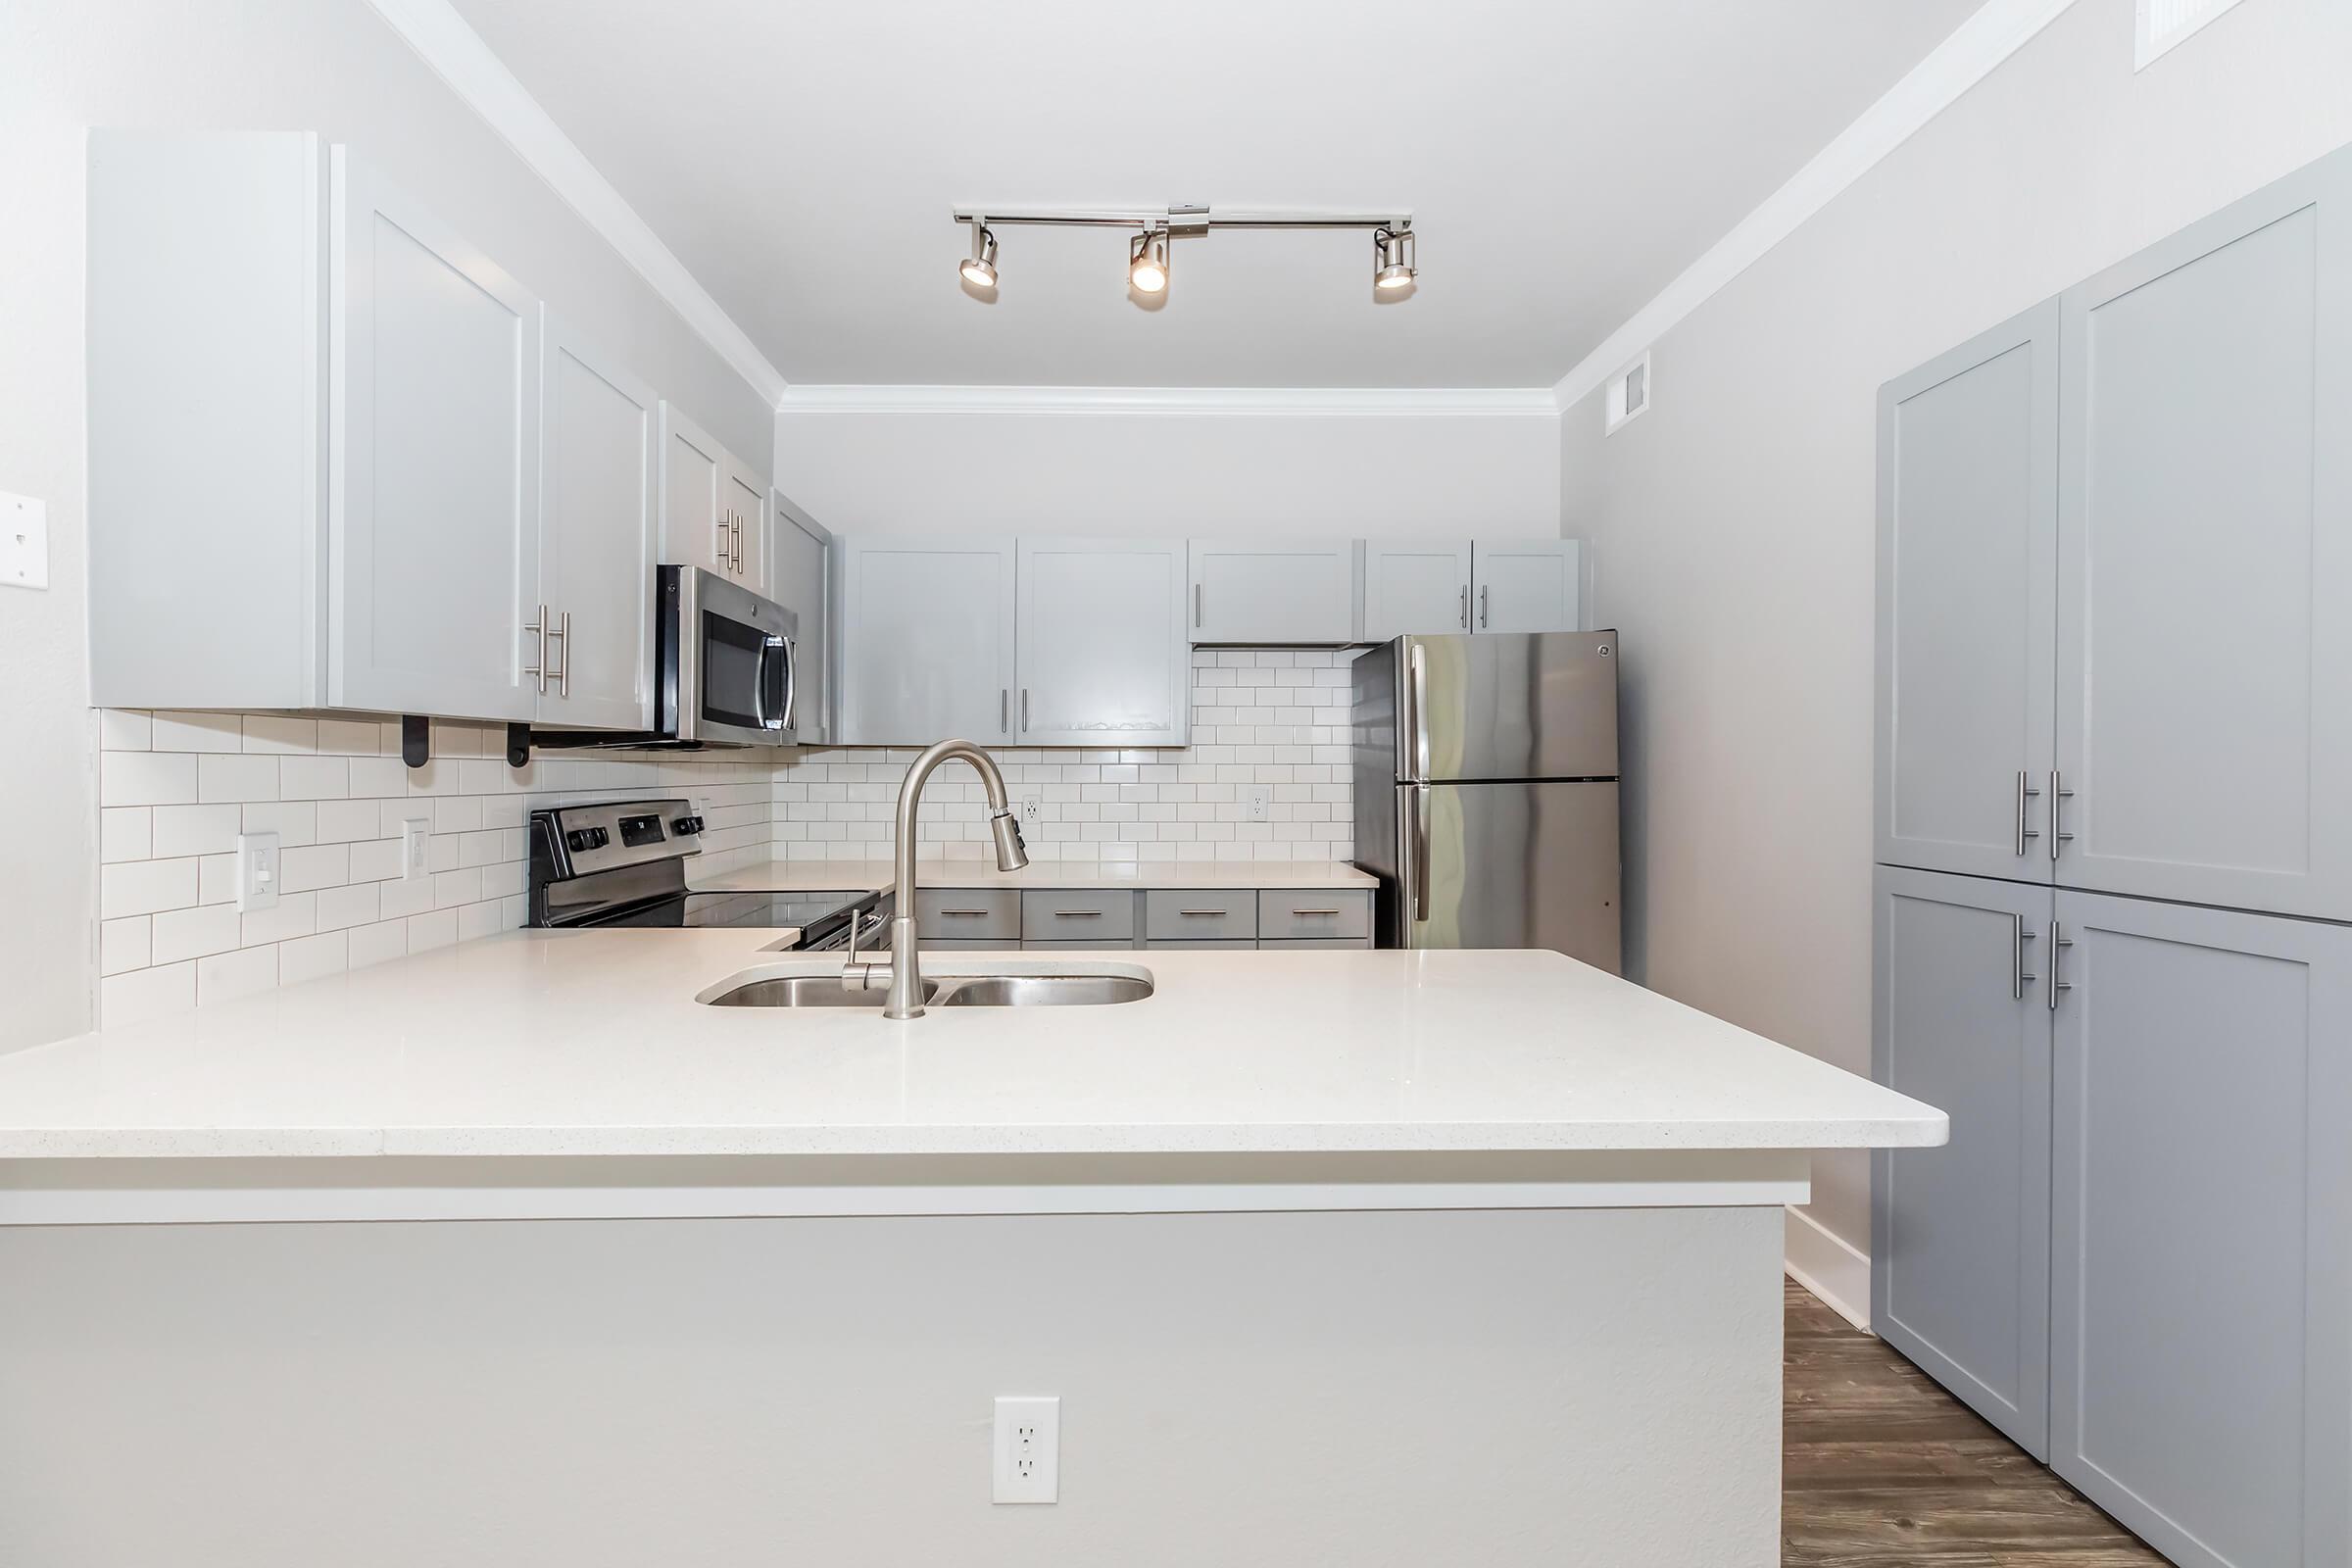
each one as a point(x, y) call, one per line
point(376, 942)
point(226, 976)
point(198, 732)
point(279, 733)
point(126, 833)
point(124, 944)
point(314, 778)
point(143, 887)
point(195, 933)
point(354, 903)
point(195, 830)
point(143, 778)
point(233, 776)
point(309, 957)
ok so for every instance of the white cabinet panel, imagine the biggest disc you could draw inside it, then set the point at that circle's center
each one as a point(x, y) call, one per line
point(1526, 585)
point(743, 513)
point(927, 641)
point(2205, 567)
point(1104, 658)
point(1259, 594)
point(800, 559)
point(598, 522)
point(694, 470)
point(1968, 554)
point(433, 509)
point(1416, 590)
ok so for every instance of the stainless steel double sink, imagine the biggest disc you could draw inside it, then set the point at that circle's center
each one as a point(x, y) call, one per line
point(825, 990)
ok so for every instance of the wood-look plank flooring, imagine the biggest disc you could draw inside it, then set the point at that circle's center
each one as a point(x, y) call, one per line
point(1880, 1466)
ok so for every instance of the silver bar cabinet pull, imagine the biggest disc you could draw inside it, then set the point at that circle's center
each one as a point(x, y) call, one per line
point(564, 670)
point(1482, 604)
point(538, 627)
point(1196, 607)
point(2024, 792)
point(2059, 943)
point(1314, 911)
point(2059, 796)
point(1024, 709)
point(2019, 936)
point(1005, 710)
point(1465, 606)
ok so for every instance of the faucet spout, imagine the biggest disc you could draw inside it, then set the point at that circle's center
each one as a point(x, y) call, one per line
point(905, 967)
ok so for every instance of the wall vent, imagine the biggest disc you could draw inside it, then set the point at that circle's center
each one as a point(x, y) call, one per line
point(2158, 24)
point(1629, 394)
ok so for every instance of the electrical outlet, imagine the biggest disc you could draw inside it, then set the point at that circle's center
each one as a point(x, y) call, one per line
point(1257, 803)
point(1029, 803)
point(415, 849)
point(257, 871)
point(1028, 1449)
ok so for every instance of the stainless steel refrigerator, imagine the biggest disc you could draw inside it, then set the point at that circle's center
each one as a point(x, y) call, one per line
point(1485, 792)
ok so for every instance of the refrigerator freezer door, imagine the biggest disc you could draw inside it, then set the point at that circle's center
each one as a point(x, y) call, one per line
point(1512, 865)
point(1535, 705)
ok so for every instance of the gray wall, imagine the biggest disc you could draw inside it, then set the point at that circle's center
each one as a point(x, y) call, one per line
point(1732, 524)
point(329, 66)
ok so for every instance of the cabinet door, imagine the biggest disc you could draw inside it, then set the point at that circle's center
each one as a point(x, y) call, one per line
point(1302, 593)
point(1104, 656)
point(694, 472)
point(1960, 1234)
point(800, 559)
point(433, 493)
point(1968, 561)
point(1416, 590)
point(2203, 1210)
point(597, 524)
point(926, 640)
point(743, 512)
point(1526, 585)
point(2205, 577)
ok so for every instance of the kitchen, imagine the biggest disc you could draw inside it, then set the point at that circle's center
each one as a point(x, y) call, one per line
point(386, 351)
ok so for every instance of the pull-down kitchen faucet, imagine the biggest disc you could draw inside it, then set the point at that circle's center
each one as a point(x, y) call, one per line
point(905, 972)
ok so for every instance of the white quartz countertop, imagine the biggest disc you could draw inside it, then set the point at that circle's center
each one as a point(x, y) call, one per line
point(810, 876)
point(593, 1043)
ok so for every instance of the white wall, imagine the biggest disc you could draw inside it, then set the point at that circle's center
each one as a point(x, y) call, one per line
point(1179, 472)
point(329, 66)
point(1732, 524)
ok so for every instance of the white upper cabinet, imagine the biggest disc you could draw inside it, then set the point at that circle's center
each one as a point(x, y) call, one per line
point(694, 472)
point(926, 640)
point(743, 513)
point(1416, 589)
point(800, 556)
point(1272, 592)
point(2205, 561)
point(1104, 658)
point(433, 493)
point(1525, 585)
point(598, 520)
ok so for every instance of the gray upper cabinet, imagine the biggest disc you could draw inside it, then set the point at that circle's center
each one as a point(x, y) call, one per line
point(927, 640)
point(1960, 1234)
point(1273, 593)
point(800, 558)
point(1968, 550)
point(2205, 580)
point(1521, 585)
point(598, 514)
point(433, 531)
point(1104, 658)
point(1415, 588)
point(2202, 1241)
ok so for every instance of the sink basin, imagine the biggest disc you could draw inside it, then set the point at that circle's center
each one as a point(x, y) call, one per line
point(807, 990)
point(1014, 989)
point(1038, 990)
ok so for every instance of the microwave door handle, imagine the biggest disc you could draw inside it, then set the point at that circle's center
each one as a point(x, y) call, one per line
point(768, 649)
point(792, 683)
point(759, 689)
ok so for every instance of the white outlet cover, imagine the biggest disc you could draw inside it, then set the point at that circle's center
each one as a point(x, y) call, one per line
point(24, 541)
point(416, 850)
point(1257, 803)
point(1027, 1462)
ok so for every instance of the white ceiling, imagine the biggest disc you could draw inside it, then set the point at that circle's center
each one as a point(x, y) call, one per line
point(1563, 160)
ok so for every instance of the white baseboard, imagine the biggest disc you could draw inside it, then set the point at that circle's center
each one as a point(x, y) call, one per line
point(1830, 1266)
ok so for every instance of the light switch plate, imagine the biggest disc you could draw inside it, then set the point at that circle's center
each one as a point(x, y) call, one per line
point(257, 871)
point(24, 541)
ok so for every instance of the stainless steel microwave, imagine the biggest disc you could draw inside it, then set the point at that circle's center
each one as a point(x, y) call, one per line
point(723, 668)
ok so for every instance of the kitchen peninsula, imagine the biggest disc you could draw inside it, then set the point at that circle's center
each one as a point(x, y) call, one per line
point(1362, 1256)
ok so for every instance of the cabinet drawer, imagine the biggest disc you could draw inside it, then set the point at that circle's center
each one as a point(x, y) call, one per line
point(1078, 914)
point(1077, 947)
point(1309, 944)
point(1337, 913)
point(968, 913)
point(1201, 914)
point(1174, 945)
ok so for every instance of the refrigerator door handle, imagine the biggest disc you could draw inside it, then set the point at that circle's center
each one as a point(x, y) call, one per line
point(1419, 673)
point(1420, 861)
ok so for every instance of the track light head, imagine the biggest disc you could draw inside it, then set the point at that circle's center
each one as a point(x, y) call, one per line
point(1392, 256)
point(980, 268)
point(1147, 262)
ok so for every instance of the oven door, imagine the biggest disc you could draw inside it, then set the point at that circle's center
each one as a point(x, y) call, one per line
point(727, 655)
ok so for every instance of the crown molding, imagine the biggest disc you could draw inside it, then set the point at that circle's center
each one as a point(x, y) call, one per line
point(1214, 400)
point(456, 53)
point(1994, 33)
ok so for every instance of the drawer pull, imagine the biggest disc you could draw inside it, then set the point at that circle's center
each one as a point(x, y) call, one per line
point(964, 912)
point(1209, 913)
point(1077, 914)
point(1314, 912)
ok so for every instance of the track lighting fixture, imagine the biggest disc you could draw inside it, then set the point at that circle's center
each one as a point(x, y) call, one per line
point(1393, 252)
point(980, 268)
point(1147, 262)
point(1394, 269)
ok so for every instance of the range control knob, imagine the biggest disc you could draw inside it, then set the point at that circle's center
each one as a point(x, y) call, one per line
point(686, 825)
point(580, 839)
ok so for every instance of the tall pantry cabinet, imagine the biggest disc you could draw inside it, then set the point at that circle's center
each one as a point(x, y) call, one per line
point(2114, 925)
